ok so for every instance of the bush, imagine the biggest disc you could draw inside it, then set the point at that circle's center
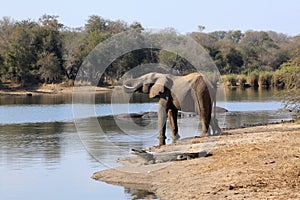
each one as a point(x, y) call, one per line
point(242, 80)
point(291, 77)
point(253, 79)
point(230, 79)
point(277, 80)
point(265, 79)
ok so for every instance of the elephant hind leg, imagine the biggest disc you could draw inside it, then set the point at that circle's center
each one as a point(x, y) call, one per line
point(215, 126)
point(205, 108)
point(205, 124)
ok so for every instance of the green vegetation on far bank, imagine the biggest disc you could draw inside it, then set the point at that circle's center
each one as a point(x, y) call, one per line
point(255, 79)
point(46, 51)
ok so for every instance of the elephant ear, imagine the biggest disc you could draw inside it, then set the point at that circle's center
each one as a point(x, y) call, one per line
point(159, 86)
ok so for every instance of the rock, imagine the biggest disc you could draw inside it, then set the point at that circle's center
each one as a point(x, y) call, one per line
point(149, 115)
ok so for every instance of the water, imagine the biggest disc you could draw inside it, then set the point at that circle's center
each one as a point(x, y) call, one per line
point(42, 156)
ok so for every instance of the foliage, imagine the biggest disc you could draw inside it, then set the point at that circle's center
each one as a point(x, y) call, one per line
point(45, 51)
point(253, 79)
point(231, 79)
point(290, 72)
point(242, 80)
point(265, 79)
point(49, 68)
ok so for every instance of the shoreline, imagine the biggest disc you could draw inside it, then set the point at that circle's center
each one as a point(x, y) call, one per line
point(255, 162)
point(49, 89)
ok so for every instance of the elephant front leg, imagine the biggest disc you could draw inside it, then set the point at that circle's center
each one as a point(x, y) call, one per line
point(162, 134)
point(162, 117)
point(172, 115)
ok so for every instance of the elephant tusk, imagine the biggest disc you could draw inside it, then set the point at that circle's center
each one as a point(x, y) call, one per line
point(129, 87)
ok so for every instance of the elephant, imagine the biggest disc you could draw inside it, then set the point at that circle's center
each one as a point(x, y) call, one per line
point(189, 93)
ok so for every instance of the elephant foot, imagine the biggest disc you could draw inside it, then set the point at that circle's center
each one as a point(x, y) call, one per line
point(161, 143)
point(175, 138)
point(215, 127)
point(203, 134)
point(200, 136)
point(162, 140)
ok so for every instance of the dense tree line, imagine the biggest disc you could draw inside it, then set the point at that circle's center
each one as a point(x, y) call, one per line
point(237, 52)
point(48, 52)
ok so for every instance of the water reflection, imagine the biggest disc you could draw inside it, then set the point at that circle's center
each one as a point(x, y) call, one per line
point(107, 142)
point(249, 94)
point(48, 161)
point(140, 194)
point(37, 99)
point(24, 145)
point(54, 99)
point(249, 118)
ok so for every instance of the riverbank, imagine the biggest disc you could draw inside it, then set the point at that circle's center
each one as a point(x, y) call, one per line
point(46, 89)
point(254, 163)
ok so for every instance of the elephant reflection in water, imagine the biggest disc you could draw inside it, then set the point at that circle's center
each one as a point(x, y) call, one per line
point(190, 93)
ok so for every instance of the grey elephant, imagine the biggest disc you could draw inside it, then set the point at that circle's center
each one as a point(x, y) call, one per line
point(190, 93)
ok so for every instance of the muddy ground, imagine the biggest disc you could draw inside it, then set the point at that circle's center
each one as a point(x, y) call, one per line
point(260, 162)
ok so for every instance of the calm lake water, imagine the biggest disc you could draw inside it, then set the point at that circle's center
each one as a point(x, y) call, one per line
point(44, 156)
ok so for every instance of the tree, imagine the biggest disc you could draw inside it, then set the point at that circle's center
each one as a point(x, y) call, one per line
point(21, 55)
point(201, 28)
point(210, 43)
point(290, 72)
point(49, 68)
point(50, 45)
point(235, 36)
point(234, 60)
point(115, 27)
point(50, 37)
point(96, 24)
point(218, 35)
point(136, 25)
point(74, 51)
point(257, 49)
point(7, 26)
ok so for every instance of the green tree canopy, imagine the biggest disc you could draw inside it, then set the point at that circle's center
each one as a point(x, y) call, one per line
point(45, 51)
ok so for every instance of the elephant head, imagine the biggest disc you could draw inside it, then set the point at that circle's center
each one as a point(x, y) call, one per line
point(153, 84)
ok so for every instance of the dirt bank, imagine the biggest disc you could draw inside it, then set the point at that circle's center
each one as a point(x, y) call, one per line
point(46, 89)
point(254, 163)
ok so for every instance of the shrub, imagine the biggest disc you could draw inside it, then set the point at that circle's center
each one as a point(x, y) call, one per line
point(253, 79)
point(230, 79)
point(291, 76)
point(242, 80)
point(277, 79)
point(265, 79)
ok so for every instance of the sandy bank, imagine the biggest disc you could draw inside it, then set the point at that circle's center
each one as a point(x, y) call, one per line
point(254, 163)
point(49, 89)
